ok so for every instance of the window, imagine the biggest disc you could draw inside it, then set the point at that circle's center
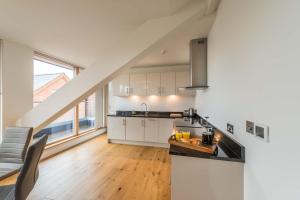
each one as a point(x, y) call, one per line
point(47, 79)
point(63, 127)
point(50, 75)
point(87, 113)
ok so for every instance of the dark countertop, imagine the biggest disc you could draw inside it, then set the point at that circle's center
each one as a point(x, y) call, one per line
point(227, 148)
point(187, 122)
point(151, 114)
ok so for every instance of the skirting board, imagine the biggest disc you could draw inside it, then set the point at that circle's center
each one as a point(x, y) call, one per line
point(150, 144)
point(71, 143)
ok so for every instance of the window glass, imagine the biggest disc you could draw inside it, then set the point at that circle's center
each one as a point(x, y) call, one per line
point(47, 79)
point(87, 113)
point(61, 128)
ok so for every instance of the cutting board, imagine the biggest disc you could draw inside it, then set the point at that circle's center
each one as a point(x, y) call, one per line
point(176, 115)
point(194, 144)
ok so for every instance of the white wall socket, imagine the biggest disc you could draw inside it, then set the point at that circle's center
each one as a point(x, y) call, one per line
point(262, 132)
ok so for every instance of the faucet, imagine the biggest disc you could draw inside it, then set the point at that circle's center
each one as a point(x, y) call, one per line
point(146, 106)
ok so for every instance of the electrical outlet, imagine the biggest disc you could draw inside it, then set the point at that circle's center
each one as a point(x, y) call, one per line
point(262, 132)
point(250, 127)
point(230, 128)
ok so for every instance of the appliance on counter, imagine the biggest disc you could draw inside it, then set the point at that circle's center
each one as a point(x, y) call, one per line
point(193, 125)
point(189, 112)
point(198, 64)
point(192, 112)
point(208, 136)
point(185, 113)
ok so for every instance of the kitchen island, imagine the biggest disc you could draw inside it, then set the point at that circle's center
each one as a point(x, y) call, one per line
point(197, 175)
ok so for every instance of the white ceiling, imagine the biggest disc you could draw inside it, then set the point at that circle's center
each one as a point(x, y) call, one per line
point(175, 48)
point(79, 30)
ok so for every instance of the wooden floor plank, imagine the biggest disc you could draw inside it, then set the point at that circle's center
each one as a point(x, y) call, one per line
point(98, 170)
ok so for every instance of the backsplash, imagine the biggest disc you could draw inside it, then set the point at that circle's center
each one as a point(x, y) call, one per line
point(155, 103)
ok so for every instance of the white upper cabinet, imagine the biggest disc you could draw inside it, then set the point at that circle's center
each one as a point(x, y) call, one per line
point(182, 80)
point(153, 83)
point(120, 85)
point(147, 83)
point(167, 80)
point(138, 84)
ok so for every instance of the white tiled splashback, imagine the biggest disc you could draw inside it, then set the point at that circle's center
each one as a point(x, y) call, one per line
point(155, 103)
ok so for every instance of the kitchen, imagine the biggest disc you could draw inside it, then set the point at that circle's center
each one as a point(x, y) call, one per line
point(148, 107)
point(167, 138)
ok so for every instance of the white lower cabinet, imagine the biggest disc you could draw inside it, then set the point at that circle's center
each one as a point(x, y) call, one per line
point(151, 130)
point(139, 129)
point(165, 130)
point(116, 128)
point(207, 179)
point(135, 130)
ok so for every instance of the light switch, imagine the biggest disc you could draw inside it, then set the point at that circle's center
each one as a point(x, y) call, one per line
point(230, 128)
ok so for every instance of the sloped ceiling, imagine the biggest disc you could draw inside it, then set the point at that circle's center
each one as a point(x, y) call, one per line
point(78, 31)
point(175, 48)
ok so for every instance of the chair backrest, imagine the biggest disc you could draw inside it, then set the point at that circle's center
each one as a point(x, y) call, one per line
point(14, 145)
point(29, 172)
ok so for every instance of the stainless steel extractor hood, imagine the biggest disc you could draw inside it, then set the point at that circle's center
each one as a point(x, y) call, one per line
point(198, 64)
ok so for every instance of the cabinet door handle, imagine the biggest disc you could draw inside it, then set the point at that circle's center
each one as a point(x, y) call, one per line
point(124, 122)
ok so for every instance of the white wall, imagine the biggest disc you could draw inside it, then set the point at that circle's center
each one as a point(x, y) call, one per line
point(17, 80)
point(253, 74)
point(155, 103)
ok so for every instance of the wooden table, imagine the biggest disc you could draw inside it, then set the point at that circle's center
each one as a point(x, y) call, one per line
point(9, 180)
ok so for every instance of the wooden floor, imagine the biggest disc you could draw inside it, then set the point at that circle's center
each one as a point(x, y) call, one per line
point(98, 170)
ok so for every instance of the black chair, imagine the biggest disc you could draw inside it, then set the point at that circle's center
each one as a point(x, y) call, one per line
point(28, 174)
